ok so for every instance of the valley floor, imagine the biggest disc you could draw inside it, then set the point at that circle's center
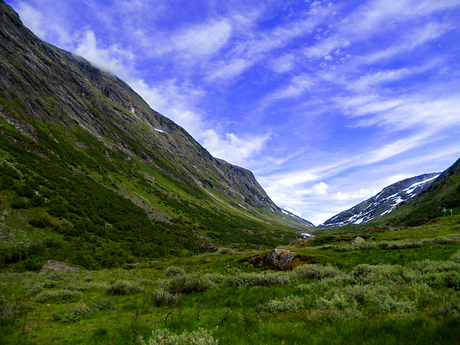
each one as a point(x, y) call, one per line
point(400, 287)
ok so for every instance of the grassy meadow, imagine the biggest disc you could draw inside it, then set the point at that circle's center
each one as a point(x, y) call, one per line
point(401, 286)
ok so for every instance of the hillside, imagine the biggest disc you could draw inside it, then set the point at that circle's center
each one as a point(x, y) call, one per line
point(90, 174)
point(382, 203)
point(440, 198)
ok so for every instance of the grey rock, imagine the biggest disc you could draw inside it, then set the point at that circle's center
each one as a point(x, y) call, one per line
point(357, 240)
point(58, 267)
point(278, 258)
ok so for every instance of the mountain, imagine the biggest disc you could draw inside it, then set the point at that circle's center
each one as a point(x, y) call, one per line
point(90, 174)
point(439, 199)
point(383, 203)
point(302, 222)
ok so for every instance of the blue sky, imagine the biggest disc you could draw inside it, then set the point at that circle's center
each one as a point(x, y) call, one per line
point(327, 102)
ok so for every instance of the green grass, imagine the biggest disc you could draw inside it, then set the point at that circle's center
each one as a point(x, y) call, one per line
point(365, 296)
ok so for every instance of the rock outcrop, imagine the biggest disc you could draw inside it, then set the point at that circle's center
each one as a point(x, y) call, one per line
point(58, 267)
point(357, 240)
point(277, 259)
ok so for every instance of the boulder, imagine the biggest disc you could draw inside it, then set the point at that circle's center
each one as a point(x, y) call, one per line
point(357, 240)
point(58, 267)
point(278, 258)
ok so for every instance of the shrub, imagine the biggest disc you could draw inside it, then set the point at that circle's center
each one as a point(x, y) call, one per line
point(105, 304)
point(374, 274)
point(174, 271)
point(35, 289)
point(57, 295)
point(443, 280)
point(381, 296)
point(337, 307)
point(79, 311)
point(83, 310)
point(315, 271)
point(143, 281)
point(455, 257)
point(124, 287)
point(274, 306)
point(163, 297)
point(226, 251)
point(162, 337)
point(449, 309)
point(216, 278)
point(6, 309)
point(190, 283)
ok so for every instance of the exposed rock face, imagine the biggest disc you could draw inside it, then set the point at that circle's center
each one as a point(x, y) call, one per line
point(357, 240)
point(278, 258)
point(58, 267)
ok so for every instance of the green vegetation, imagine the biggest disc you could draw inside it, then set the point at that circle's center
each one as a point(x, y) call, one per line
point(398, 287)
point(65, 197)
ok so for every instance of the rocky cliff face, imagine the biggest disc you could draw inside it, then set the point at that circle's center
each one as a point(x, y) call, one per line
point(383, 203)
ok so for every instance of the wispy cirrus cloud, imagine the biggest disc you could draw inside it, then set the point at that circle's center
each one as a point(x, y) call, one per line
point(326, 101)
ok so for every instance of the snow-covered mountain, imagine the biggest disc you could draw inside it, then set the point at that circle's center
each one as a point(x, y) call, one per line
point(383, 203)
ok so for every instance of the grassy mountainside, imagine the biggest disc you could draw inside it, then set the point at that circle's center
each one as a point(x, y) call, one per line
point(439, 199)
point(91, 175)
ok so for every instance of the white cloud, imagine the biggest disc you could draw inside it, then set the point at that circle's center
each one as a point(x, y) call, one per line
point(193, 43)
point(229, 69)
point(396, 178)
point(298, 214)
point(33, 19)
point(320, 188)
point(112, 58)
point(42, 25)
point(203, 40)
point(232, 148)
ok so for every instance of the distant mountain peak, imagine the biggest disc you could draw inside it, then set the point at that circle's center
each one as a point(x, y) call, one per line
point(383, 203)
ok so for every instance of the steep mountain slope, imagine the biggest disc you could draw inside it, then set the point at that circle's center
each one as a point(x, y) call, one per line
point(87, 167)
point(383, 203)
point(437, 200)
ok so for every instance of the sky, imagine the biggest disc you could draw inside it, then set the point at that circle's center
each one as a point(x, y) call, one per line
point(326, 102)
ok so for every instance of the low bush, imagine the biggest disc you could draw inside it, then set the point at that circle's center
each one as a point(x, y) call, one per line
point(163, 337)
point(315, 271)
point(274, 306)
point(443, 280)
point(448, 309)
point(336, 307)
point(83, 310)
point(6, 309)
point(189, 283)
point(162, 297)
point(124, 287)
point(375, 274)
point(79, 311)
point(56, 295)
point(174, 271)
point(256, 279)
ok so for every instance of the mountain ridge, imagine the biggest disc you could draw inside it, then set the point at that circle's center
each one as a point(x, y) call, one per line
point(87, 166)
point(382, 203)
